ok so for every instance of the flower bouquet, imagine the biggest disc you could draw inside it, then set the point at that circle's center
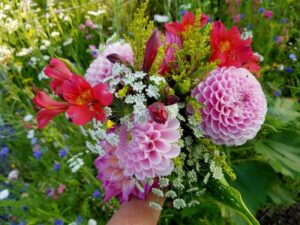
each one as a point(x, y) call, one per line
point(157, 107)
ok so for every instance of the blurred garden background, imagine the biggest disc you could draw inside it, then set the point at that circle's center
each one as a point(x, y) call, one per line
point(41, 179)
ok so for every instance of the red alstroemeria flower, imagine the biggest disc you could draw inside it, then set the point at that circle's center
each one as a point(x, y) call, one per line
point(86, 102)
point(58, 72)
point(82, 102)
point(187, 20)
point(49, 108)
point(230, 49)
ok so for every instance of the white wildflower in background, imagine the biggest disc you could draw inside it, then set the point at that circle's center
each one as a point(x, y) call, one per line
point(30, 134)
point(24, 52)
point(75, 163)
point(5, 54)
point(96, 13)
point(161, 18)
point(13, 175)
point(42, 75)
point(46, 57)
point(68, 42)
point(54, 34)
point(11, 25)
point(92, 222)
point(28, 117)
point(4, 194)
point(259, 56)
point(246, 34)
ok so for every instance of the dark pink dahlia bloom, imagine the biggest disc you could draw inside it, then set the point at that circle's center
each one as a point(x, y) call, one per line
point(234, 105)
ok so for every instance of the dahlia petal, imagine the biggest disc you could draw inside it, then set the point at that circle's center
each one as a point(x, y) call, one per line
point(173, 153)
point(155, 157)
point(170, 135)
point(162, 145)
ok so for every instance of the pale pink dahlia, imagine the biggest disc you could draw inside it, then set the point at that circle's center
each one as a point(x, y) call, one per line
point(101, 67)
point(146, 151)
point(114, 182)
point(234, 105)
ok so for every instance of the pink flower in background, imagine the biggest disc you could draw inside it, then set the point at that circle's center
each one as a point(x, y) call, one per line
point(268, 14)
point(114, 182)
point(234, 105)
point(101, 67)
point(60, 189)
point(90, 24)
point(147, 150)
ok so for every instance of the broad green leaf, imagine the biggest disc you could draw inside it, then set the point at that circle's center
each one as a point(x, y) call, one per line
point(230, 197)
point(282, 151)
point(284, 109)
point(257, 181)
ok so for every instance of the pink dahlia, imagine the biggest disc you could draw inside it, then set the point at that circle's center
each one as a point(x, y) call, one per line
point(234, 105)
point(114, 182)
point(101, 67)
point(146, 151)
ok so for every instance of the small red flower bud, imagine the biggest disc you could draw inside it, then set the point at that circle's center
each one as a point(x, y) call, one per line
point(158, 112)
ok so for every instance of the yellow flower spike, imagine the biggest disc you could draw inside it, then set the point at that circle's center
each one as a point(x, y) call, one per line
point(109, 124)
point(177, 161)
point(13, 165)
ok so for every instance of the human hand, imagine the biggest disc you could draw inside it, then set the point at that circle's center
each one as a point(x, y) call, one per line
point(137, 212)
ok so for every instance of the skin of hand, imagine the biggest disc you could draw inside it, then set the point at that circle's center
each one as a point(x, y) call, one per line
point(137, 212)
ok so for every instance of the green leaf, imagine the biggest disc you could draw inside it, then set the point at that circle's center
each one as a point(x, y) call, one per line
point(257, 181)
point(230, 197)
point(282, 151)
point(284, 109)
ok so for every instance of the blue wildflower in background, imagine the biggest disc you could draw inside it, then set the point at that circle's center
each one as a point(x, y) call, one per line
point(261, 10)
point(96, 194)
point(63, 152)
point(56, 166)
point(4, 151)
point(293, 57)
point(58, 222)
point(33, 141)
point(288, 69)
point(277, 93)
